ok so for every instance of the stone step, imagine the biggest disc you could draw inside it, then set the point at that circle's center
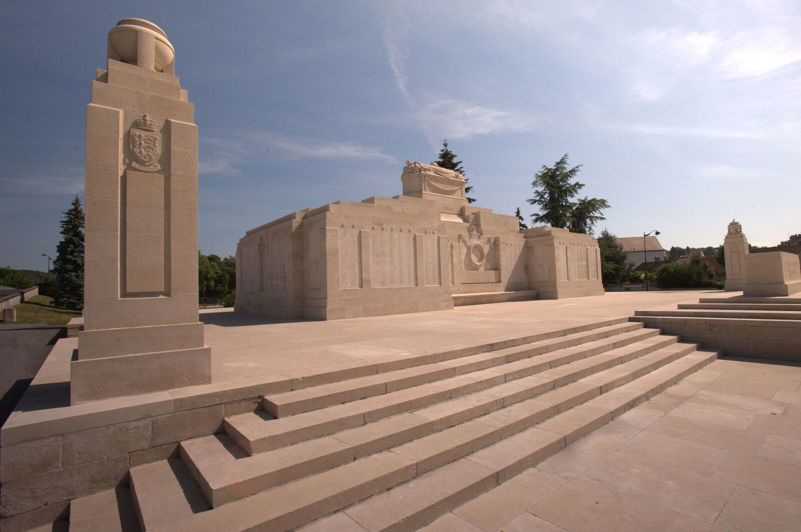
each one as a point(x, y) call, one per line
point(337, 375)
point(312, 398)
point(223, 477)
point(479, 288)
point(413, 500)
point(734, 314)
point(753, 299)
point(164, 492)
point(741, 306)
point(619, 401)
point(418, 502)
point(252, 433)
point(110, 511)
point(482, 298)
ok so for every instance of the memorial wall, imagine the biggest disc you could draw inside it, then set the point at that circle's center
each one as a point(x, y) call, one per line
point(410, 253)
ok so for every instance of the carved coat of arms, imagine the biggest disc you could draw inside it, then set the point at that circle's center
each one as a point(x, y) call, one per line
point(145, 145)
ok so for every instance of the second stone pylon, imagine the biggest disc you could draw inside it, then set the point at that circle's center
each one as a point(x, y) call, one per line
point(141, 330)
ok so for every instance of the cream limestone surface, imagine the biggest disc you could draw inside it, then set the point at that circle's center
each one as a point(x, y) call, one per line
point(249, 346)
point(775, 273)
point(719, 451)
point(64, 450)
point(735, 250)
point(411, 253)
point(141, 330)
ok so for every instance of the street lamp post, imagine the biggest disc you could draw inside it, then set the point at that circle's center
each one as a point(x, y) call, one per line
point(645, 254)
point(49, 260)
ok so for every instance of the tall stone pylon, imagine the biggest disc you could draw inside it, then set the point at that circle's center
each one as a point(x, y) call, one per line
point(141, 330)
point(735, 249)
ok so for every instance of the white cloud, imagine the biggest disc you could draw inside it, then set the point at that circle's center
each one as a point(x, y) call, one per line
point(454, 119)
point(293, 148)
point(689, 131)
point(442, 116)
point(225, 156)
point(759, 52)
point(724, 172)
point(395, 29)
point(64, 181)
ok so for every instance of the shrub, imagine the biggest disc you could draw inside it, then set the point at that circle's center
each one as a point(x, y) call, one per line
point(693, 274)
point(229, 299)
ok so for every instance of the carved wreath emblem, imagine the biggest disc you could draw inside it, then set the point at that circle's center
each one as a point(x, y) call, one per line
point(476, 248)
point(145, 145)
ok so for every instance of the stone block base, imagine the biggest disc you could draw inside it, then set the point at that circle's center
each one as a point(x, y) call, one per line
point(104, 343)
point(774, 273)
point(769, 290)
point(752, 338)
point(734, 285)
point(101, 378)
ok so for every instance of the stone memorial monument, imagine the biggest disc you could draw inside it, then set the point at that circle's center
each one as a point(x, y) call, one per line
point(141, 329)
point(735, 250)
point(427, 249)
point(773, 273)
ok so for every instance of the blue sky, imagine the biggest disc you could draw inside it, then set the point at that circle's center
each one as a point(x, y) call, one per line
point(684, 114)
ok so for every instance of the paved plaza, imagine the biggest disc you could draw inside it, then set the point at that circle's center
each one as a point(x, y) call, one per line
point(719, 451)
point(245, 347)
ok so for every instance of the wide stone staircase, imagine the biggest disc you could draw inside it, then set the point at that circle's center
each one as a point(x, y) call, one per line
point(754, 327)
point(397, 449)
point(482, 298)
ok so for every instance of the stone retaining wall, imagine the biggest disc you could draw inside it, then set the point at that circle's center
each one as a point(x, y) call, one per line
point(50, 455)
point(755, 338)
point(12, 300)
point(41, 475)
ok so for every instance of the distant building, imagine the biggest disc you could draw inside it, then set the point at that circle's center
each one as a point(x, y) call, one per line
point(636, 254)
point(717, 269)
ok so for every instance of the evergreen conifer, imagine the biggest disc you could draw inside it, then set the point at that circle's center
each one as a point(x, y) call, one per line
point(447, 159)
point(68, 266)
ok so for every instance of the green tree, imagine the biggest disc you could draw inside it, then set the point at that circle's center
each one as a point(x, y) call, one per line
point(521, 222)
point(15, 278)
point(615, 267)
point(677, 251)
point(216, 278)
point(555, 188)
point(447, 159)
point(586, 213)
point(692, 274)
point(68, 266)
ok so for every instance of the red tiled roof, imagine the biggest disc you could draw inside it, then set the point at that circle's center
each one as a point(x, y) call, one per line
point(634, 243)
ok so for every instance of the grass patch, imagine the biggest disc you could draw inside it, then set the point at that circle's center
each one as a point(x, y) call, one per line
point(40, 309)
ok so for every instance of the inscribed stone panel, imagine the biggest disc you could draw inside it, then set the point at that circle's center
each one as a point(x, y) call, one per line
point(592, 263)
point(350, 262)
point(250, 268)
point(276, 258)
point(315, 242)
point(562, 261)
point(577, 263)
point(145, 241)
point(393, 258)
point(431, 260)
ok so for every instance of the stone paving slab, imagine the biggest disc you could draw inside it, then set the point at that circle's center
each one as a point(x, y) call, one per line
point(253, 356)
point(245, 347)
point(709, 454)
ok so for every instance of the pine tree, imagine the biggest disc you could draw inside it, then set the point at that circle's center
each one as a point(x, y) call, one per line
point(615, 267)
point(554, 191)
point(68, 266)
point(447, 159)
point(521, 222)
